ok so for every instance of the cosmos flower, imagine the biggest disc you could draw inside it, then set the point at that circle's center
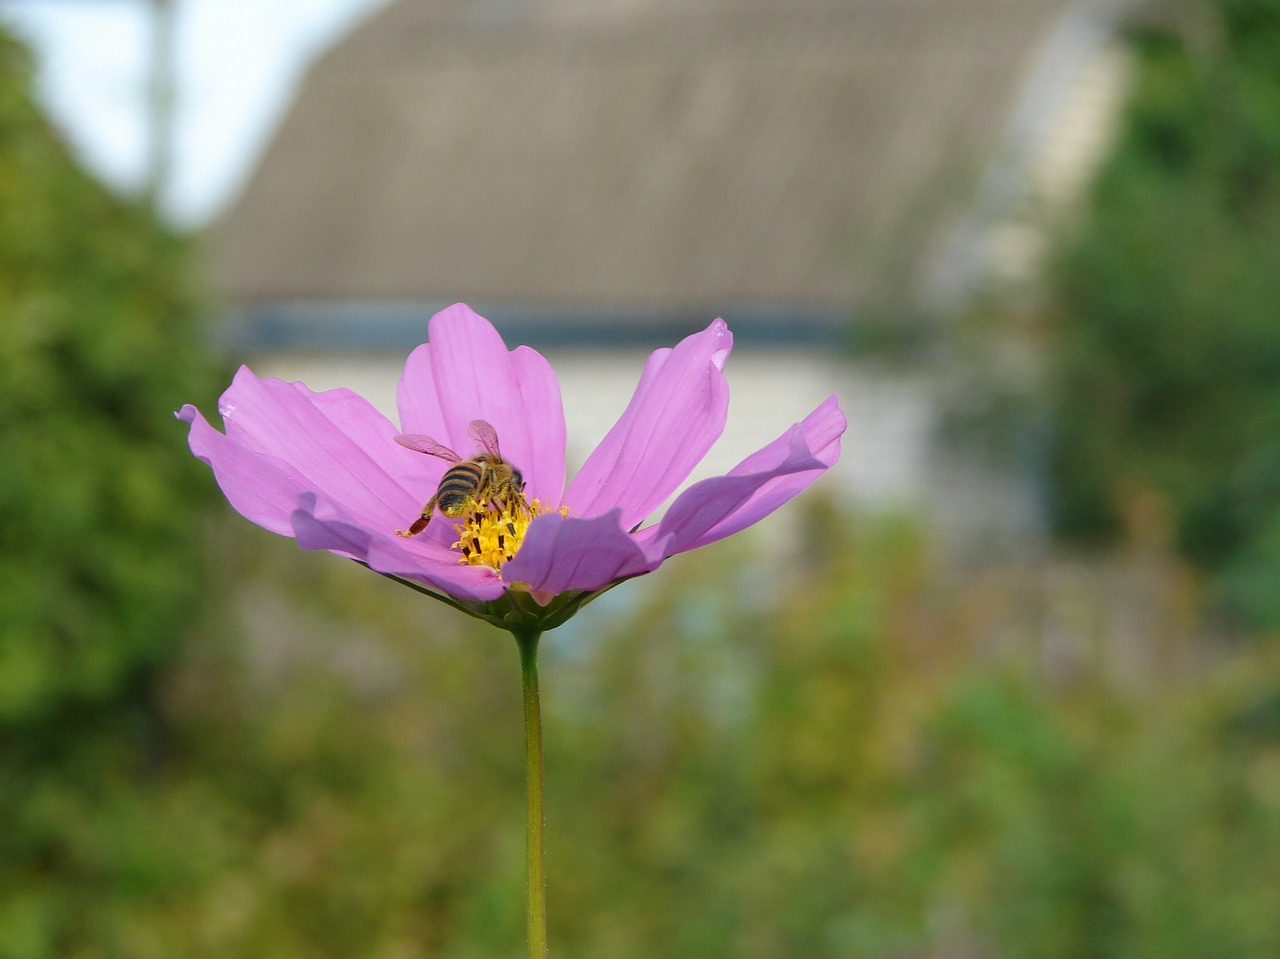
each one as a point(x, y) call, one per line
point(335, 474)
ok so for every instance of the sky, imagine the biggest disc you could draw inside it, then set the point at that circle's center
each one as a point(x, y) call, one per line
point(238, 66)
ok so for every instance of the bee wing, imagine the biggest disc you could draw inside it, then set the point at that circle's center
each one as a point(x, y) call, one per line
point(486, 437)
point(421, 443)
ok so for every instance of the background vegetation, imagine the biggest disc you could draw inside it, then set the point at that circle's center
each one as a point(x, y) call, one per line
point(863, 760)
point(1168, 360)
point(100, 572)
point(212, 745)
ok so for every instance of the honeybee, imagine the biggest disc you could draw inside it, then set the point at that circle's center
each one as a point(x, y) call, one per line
point(484, 478)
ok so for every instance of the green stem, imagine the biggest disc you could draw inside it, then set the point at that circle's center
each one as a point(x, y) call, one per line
point(536, 884)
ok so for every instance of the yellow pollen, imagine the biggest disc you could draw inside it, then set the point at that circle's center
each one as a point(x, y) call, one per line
point(493, 533)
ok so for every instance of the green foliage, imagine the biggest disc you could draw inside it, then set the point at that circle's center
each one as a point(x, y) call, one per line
point(831, 762)
point(96, 502)
point(1169, 348)
point(99, 503)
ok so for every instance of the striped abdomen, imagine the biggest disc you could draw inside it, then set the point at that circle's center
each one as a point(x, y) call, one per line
point(458, 487)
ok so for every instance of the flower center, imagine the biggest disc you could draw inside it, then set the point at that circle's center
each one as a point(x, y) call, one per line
point(493, 533)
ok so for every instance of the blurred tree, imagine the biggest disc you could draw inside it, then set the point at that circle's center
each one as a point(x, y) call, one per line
point(100, 506)
point(1168, 357)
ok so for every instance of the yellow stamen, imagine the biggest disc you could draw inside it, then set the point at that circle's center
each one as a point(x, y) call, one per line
point(493, 533)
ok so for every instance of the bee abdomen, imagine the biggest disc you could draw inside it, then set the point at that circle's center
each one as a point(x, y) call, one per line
point(458, 488)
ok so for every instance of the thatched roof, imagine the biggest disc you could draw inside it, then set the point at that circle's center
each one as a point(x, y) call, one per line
point(662, 154)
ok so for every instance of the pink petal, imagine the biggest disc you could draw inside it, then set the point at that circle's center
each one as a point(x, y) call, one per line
point(465, 372)
point(259, 487)
point(336, 535)
point(677, 412)
point(318, 524)
point(718, 507)
point(335, 443)
point(563, 553)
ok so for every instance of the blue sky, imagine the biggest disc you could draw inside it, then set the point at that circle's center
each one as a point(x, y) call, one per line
point(239, 63)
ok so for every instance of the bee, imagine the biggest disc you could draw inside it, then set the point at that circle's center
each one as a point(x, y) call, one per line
point(469, 483)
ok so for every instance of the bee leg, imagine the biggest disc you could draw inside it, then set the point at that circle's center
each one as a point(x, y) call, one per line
point(421, 522)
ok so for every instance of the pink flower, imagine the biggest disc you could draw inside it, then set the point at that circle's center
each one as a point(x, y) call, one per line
point(326, 469)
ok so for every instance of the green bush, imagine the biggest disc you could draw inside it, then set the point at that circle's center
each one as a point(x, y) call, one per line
point(100, 514)
point(1168, 354)
point(99, 505)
